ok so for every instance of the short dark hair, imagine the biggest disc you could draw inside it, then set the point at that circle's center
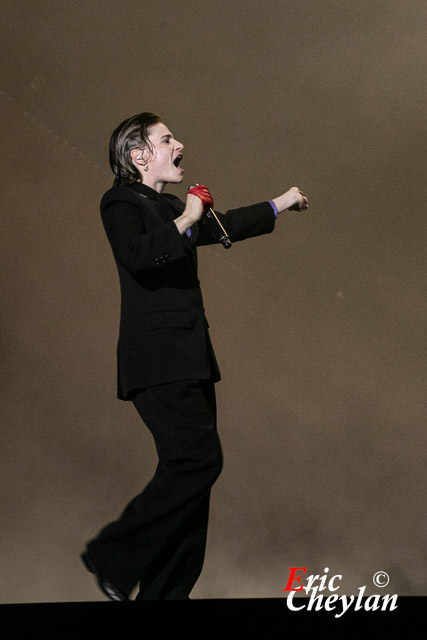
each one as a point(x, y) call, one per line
point(130, 134)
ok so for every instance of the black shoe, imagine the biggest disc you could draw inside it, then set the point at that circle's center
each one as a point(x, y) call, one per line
point(112, 592)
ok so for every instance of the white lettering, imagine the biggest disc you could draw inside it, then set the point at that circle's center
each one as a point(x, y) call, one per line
point(329, 600)
point(331, 583)
point(359, 604)
point(314, 599)
point(345, 606)
point(289, 602)
point(322, 585)
point(318, 601)
point(310, 581)
point(375, 604)
point(387, 599)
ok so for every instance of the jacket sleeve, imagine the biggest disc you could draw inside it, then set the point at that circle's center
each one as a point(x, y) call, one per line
point(133, 247)
point(242, 223)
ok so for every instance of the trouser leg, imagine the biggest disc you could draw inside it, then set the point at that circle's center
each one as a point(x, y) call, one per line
point(159, 540)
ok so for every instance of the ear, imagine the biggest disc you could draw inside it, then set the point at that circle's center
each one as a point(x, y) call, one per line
point(138, 157)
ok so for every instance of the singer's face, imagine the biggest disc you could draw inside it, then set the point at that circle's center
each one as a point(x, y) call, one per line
point(164, 160)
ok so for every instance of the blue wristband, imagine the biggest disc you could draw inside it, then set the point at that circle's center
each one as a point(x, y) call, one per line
point(276, 213)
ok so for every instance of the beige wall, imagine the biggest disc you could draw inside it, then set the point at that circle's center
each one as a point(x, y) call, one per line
point(319, 328)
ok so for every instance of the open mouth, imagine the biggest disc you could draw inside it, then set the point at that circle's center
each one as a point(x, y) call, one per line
point(177, 160)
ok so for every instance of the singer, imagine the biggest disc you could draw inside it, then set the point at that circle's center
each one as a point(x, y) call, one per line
point(165, 361)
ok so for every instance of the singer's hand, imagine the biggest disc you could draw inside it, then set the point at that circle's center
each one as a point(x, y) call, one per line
point(292, 200)
point(203, 193)
point(300, 200)
point(193, 208)
point(198, 199)
point(192, 213)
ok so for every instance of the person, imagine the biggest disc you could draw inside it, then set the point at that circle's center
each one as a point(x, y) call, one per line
point(166, 364)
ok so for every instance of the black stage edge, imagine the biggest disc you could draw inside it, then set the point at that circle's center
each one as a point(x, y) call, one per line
point(251, 617)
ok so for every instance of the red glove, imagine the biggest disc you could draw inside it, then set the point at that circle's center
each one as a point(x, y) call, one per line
point(202, 192)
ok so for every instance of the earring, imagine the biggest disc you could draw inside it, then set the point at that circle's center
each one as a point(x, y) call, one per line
point(145, 165)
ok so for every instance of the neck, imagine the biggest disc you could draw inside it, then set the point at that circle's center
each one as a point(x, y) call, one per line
point(157, 186)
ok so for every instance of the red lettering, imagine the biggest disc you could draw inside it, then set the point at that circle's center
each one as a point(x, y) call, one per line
point(293, 577)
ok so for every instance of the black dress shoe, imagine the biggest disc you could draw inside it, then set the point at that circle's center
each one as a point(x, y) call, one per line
point(112, 592)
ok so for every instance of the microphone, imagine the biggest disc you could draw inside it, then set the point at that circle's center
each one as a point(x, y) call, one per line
point(214, 224)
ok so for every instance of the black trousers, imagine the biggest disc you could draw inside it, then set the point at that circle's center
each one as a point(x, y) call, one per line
point(159, 540)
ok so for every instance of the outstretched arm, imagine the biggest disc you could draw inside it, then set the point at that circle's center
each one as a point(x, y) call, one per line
point(242, 223)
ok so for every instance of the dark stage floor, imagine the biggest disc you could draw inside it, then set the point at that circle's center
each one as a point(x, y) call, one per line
point(261, 618)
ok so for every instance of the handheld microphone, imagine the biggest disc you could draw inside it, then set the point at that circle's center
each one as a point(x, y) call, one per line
point(214, 224)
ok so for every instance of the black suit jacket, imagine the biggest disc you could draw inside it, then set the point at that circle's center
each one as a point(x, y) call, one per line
point(163, 329)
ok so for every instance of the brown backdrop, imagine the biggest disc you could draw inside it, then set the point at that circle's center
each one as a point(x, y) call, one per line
point(319, 328)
